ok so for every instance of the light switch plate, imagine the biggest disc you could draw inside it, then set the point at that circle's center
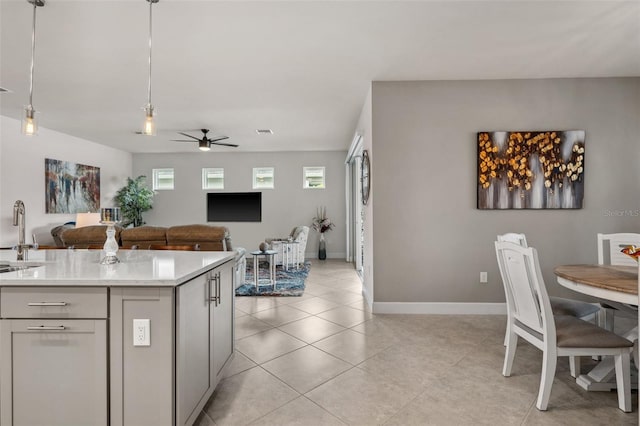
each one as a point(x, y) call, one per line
point(141, 332)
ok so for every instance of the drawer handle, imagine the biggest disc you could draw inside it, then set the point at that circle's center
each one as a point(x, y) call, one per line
point(47, 327)
point(47, 304)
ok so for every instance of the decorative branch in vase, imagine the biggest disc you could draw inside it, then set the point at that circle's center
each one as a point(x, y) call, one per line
point(321, 223)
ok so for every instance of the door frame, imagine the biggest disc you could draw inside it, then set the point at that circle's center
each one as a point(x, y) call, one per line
point(353, 194)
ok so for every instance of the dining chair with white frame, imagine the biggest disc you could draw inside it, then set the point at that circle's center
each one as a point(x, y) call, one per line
point(532, 319)
point(559, 305)
point(616, 242)
point(614, 256)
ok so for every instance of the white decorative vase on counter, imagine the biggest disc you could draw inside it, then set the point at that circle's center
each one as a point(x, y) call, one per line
point(109, 217)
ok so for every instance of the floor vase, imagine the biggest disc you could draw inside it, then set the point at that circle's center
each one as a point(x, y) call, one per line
point(322, 248)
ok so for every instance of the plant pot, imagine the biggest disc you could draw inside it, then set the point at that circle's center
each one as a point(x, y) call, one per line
point(322, 248)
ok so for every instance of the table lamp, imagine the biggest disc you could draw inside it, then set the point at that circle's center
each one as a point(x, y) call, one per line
point(87, 219)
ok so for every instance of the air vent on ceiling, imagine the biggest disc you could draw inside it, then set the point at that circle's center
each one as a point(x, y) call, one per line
point(264, 131)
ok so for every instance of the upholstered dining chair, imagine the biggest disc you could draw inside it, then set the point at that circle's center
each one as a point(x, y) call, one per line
point(532, 319)
point(559, 305)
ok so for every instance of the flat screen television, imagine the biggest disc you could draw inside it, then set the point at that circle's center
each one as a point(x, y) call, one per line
point(234, 207)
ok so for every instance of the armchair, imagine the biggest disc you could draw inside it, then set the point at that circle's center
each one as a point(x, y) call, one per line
point(299, 234)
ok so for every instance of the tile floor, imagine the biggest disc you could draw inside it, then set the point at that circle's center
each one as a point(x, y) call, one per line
point(323, 359)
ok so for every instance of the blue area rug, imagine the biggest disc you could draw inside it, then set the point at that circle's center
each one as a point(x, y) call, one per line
point(288, 283)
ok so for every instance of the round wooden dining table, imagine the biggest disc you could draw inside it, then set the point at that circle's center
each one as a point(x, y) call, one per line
point(610, 282)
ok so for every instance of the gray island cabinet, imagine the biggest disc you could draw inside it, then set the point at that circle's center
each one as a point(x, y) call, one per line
point(142, 342)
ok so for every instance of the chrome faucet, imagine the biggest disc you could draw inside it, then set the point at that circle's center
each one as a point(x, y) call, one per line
point(19, 221)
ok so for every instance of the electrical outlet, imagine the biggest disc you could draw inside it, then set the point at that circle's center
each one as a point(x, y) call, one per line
point(141, 332)
point(483, 277)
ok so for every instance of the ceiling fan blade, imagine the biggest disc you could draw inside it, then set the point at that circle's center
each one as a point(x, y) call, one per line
point(225, 144)
point(221, 138)
point(181, 140)
point(189, 136)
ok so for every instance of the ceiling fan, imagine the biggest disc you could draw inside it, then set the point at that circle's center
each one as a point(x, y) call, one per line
point(204, 143)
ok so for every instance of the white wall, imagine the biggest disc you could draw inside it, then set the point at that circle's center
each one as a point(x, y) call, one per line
point(430, 243)
point(22, 176)
point(284, 207)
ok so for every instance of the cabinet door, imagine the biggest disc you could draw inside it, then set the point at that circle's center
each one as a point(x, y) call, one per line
point(53, 372)
point(143, 378)
point(193, 350)
point(223, 318)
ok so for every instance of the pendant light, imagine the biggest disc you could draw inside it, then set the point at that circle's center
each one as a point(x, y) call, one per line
point(29, 122)
point(149, 128)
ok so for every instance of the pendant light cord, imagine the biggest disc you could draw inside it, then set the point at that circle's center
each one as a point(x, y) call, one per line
point(33, 53)
point(150, 32)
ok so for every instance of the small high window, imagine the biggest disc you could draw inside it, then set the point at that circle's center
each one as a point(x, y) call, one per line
point(162, 179)
point(313, 177)
point(263, 178)
point(213, 178)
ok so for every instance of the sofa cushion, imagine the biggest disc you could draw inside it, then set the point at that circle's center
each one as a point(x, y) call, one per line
point(143, 236)
point(86, 236)
point(214, 238)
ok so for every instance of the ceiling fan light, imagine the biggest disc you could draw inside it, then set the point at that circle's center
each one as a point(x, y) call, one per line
point(203, 145)
point(29, 121)
point(149, 128)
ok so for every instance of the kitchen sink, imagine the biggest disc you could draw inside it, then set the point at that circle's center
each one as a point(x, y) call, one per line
point(8, 267)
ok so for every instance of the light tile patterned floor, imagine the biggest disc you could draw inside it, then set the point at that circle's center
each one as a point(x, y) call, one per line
point(324, 359)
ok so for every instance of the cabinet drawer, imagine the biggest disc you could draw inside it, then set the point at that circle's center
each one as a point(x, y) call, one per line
point(60, 302)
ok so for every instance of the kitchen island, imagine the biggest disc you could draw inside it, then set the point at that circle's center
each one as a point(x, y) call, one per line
point(141, 342)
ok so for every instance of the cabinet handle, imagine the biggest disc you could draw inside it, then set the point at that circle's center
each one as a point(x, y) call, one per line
point(47, 327)
point(47, 304)
point(217, 280)
point(209, 280)
point(218, 288)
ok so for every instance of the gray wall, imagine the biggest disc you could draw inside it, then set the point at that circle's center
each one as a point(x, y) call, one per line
point(429, 241)
point(283, 208)
point(22, 176)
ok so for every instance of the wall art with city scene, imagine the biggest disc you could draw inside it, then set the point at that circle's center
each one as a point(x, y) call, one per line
point(531, 170)
point(71, 187)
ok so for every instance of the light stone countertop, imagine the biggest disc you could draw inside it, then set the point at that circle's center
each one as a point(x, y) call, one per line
point(137, 268)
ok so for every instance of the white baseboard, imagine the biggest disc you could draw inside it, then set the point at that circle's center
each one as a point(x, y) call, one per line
point(439, 308)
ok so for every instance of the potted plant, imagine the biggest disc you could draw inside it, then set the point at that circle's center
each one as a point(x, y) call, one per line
point(134, 199)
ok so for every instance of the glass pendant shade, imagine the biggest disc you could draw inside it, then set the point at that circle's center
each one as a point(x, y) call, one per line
point(149, 128)
point(29, 121)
